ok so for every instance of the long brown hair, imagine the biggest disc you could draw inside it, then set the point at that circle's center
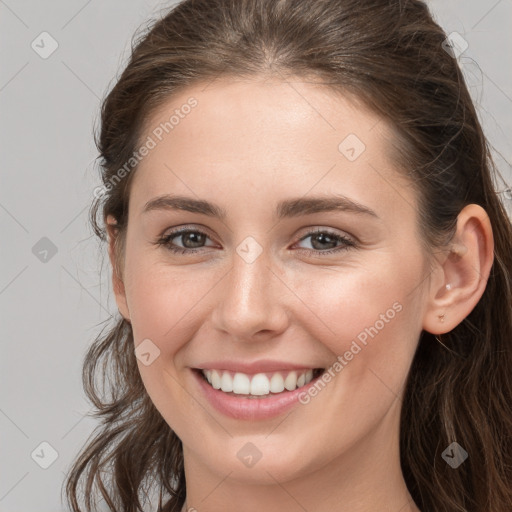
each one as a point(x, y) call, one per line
point(390, 55)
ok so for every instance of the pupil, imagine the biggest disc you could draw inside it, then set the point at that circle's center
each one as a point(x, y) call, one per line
point(322, 237)
point(198, 242)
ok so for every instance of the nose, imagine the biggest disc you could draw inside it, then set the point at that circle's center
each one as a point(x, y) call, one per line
point(251, 301)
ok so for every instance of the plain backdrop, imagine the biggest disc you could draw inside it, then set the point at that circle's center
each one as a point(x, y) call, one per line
point(54, 279)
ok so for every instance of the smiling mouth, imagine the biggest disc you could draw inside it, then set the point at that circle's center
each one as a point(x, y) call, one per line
point(259, 385)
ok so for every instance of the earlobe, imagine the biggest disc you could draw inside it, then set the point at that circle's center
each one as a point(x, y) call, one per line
point(117, 279)
point(462, 274)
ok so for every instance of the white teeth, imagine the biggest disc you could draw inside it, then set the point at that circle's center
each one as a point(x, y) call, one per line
point(215, 379)
point(259, 384)
point(290, 383)
point(277, 383)
point(226, 383)
point(241, 383)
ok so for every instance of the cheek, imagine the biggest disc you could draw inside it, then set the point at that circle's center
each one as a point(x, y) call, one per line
point(360, 303)
point(370, 321)
point(162, 302)
point(335, 306)
point(164, 308)
point(166, 303)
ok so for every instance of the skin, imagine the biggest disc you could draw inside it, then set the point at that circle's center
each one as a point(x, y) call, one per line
point(246, 146)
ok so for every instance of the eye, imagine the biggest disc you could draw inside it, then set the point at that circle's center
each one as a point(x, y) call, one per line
point(192, 240)
point(323, 242)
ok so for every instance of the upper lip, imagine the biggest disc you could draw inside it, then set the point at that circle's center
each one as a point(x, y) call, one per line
point(261, 366)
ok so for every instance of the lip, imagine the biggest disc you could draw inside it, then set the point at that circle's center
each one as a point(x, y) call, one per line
point(261, 366)
point(250, 408)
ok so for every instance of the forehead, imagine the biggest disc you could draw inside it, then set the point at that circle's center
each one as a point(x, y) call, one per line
point(276, 112)
point(264, 134)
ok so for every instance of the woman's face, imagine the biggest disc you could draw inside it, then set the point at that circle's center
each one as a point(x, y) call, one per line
point(309, 257)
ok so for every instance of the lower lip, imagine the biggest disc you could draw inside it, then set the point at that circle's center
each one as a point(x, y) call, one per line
point(251, 408)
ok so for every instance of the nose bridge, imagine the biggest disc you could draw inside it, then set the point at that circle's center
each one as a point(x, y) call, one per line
point(250, 301)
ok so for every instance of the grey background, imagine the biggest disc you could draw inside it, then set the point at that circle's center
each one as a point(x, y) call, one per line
point(51, 310)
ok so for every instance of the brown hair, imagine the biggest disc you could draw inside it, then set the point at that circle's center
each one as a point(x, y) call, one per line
point(390, 55)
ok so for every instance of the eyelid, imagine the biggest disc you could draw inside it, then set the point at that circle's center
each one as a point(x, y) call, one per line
point(307, 231)
point(346, 241)
point(332, 231)
point(185, 227)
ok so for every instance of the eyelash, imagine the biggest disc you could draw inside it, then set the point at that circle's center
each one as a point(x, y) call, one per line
point(347, 242)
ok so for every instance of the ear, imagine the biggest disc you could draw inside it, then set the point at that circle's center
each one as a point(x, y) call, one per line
point(459, 283)
point(117, 279)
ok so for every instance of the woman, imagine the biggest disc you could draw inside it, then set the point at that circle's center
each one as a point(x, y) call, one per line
point(312, 268)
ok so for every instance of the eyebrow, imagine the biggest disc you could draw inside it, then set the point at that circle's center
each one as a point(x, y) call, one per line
point(289, 208)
